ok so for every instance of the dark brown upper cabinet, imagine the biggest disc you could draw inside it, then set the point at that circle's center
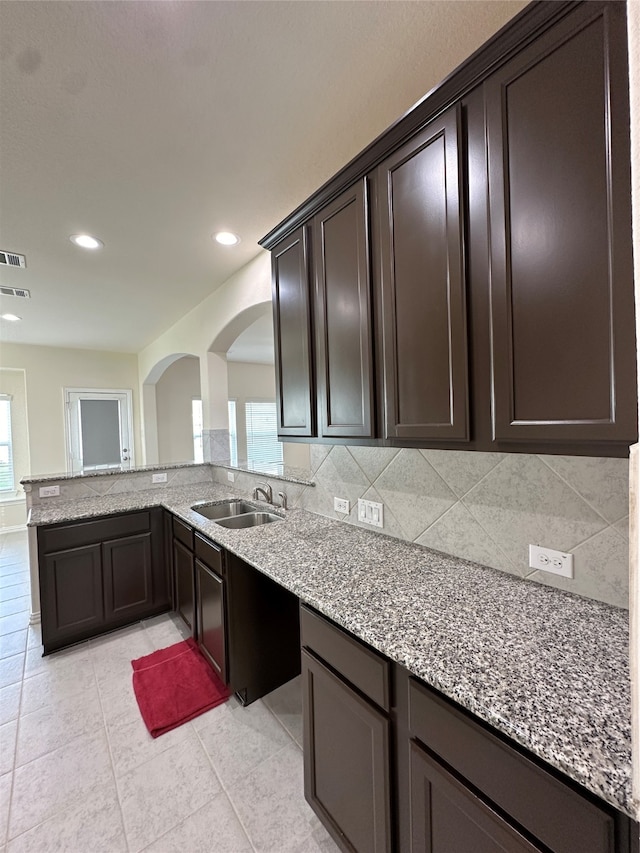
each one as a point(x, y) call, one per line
point(424, 330)
point(295, 390)
point(500, 258)
point(343, 317)
point(562, 304)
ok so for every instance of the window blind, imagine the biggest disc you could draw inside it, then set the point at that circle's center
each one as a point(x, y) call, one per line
point(6, 451)
point(263, 447)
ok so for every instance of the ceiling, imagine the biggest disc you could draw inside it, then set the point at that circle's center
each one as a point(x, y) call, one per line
point(152, 125)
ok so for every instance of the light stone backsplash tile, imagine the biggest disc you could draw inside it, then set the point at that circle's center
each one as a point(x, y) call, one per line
point(622, 527)
point(458, 533)
point(414, 492)
point(215, 445)
point(373, 460)
point(488, 507)
point(603, 483)
point(119, 483)
point(462, 471)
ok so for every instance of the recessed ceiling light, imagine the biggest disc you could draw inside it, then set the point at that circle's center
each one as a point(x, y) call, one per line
point(86, 241)
point(227, 238)
point(12, 318)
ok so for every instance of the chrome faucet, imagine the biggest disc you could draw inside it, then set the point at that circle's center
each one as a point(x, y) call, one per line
point(265, 490)
point(283, 499)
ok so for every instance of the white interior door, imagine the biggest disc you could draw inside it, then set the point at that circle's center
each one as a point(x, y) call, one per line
point(99, 430)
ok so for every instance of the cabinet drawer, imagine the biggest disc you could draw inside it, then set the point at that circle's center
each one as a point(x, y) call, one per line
point(75, 535)
point(209, 554)
point(362, 666)
point(183, 532)
point(552, 811)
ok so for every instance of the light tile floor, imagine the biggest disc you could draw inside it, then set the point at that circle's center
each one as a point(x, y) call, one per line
point(80, 774)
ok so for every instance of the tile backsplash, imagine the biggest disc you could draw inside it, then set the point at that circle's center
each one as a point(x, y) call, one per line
point(116, 482)
point(485, 507)
point(488, 507)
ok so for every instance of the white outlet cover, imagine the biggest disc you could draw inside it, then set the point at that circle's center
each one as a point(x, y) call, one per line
point(48, 491)
point(231, 476)
point(548, 560)
point(341, 505)
point(159, 478)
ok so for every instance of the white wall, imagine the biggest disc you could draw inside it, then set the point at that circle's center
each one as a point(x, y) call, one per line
point(197, 332)
point(12, 506)
point(175, 390)
point(48, 370)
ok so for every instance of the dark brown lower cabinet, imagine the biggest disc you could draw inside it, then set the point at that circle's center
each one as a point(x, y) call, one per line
point(473, 790)
point(392, 765)
point(447, 817)
point(100, 574)
point(127, 577)
point(184, 583)
point(247, 626)
point(347, 769)
point(211, 621)
point(71, 593)
point(347, 754)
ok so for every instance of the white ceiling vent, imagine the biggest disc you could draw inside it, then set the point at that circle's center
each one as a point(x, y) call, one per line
point(15, 291)
point(11, 259)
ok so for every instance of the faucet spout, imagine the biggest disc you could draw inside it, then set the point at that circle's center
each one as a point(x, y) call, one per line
point(265, 490)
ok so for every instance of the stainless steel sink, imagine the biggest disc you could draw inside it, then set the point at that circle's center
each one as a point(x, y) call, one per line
point(250, 519)
point(223, 510)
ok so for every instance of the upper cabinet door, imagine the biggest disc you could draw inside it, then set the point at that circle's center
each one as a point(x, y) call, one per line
point(343, 317)
point(292, 332)
point(561, 278)
point(423, 324)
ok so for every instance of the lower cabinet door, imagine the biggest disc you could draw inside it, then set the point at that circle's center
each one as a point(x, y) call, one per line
point(71, 593)
point(447, 817)
point(211, 618)
point(184, 583)
point(128, 578)
point(346, 761)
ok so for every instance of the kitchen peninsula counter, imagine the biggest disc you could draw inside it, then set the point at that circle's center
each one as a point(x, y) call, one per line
point(547, 668)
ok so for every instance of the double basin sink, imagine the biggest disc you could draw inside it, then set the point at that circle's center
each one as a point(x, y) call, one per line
point(236, 514)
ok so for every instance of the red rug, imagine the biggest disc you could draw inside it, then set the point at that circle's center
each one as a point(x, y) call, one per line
point(174, 685)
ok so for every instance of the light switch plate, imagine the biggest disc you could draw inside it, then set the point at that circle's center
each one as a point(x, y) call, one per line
point(159, 478)
point(371, 512)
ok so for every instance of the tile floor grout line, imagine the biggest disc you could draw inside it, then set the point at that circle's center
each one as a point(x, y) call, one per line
point(111, 761)
point(226, 789)
point(15, 745)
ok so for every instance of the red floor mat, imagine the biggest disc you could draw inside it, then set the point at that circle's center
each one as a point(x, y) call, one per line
point(174, 685)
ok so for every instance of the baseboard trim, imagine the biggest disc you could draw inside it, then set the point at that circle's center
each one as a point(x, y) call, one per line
point(16, 528)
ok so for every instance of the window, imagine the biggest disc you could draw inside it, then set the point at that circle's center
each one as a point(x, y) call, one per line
point(233, 433)
point(196, 420)
point(264, 451)
point(6, 450)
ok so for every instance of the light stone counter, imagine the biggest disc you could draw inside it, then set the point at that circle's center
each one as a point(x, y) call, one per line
point(547, 668)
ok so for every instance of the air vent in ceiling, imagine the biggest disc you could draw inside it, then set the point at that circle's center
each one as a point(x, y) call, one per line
point(11, 259)
point(15, 291)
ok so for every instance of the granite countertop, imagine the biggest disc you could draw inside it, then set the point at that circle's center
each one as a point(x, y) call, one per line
point(545, 667)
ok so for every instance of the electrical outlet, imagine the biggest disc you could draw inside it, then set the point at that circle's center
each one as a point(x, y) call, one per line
point(159, 478)
point(49, 491)
point(231, 477)
point(370, 512)
point(341, 505)
point(548, 560)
